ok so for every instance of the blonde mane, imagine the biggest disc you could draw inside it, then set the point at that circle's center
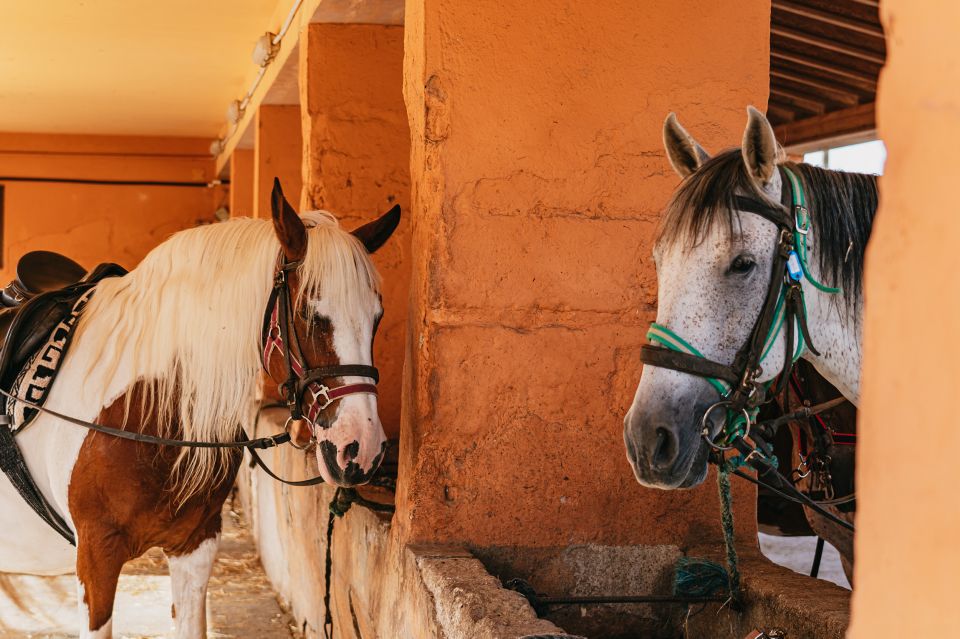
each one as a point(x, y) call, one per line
point(187, 322)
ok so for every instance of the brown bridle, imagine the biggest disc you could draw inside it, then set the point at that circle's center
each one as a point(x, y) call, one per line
point(280, 334)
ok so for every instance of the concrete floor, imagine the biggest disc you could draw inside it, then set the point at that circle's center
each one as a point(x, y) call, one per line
point(241, 603)
point(796, 553)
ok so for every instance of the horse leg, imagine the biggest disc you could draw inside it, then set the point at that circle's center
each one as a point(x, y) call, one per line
point(189, 574)
point(98, 569)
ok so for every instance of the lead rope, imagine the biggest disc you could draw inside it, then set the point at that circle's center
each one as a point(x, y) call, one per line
point(726, 522)
point(328, 568)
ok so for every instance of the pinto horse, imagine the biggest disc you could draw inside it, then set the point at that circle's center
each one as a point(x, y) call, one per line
point(715, 260)
point(175, 349)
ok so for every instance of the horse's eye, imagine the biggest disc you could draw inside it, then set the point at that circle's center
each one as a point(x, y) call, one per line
point(741, 265)
point(319, 322)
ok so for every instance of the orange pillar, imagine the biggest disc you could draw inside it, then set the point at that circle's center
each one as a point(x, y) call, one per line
point(241, 183)
point(277, 153)
point(539, 176)
point(908, 556)
point(357, 163)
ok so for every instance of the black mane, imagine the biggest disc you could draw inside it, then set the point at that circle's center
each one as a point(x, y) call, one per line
point(841, 205)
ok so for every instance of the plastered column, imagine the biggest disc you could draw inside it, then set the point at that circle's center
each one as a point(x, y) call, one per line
point(357, 163)
point(278, 151)
point(241, 183)
point(908, 514)
point(539, 177)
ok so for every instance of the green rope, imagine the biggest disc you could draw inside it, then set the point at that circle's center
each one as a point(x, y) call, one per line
point(726, 521)
point(696, 578)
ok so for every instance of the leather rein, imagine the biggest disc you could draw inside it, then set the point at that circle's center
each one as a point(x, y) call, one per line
point(279, 332)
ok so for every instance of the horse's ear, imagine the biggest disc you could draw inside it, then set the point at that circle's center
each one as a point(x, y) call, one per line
point(375, 234)
point(760, 150)
point(685, 155)
point(289, 227)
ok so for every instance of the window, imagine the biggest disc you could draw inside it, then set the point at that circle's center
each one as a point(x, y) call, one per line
point(865, 157)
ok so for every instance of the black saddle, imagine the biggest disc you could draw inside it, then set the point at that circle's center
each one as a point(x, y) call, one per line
point(43, 305)
point(39, 272)
point(44, 292)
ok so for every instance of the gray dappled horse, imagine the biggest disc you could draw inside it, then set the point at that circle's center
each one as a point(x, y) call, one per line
point(714, 267)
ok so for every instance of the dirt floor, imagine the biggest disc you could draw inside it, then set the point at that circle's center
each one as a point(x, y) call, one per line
point(240, 601)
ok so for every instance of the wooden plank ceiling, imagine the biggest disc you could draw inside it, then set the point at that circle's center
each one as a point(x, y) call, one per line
point(825, 57)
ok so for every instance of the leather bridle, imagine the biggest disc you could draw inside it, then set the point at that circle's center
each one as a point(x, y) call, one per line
point(305, 391)
point(737, 383)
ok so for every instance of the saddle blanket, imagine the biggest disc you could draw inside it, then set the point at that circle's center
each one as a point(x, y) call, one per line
point(35, 379)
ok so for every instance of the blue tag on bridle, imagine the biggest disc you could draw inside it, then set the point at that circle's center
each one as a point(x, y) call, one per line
point(794, 269)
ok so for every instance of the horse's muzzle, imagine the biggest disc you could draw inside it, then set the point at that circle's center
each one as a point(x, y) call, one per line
point(663, 453)
point(338, 468)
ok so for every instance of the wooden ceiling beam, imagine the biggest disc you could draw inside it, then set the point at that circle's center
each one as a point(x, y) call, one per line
point(807, 9)
point(779, 114)
point(811, 28)
point(802, 100)
point(866, 83)
point(828, 45)
point(863, 13)
point(828, 59)
point(816, 131)
point(799, 113)
point(834, 92)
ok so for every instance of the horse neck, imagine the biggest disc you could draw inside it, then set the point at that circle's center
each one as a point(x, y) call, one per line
point(835, 326)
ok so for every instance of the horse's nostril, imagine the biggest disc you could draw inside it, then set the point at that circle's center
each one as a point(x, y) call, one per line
point(664, 449)
point(350, 451)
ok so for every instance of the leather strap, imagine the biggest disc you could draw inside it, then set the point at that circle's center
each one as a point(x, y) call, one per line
point(15, 468)
point(342, 370)
point(779, 215)
point(262, 442)
point(684, 363)
point(313, 481)
point(351, 389)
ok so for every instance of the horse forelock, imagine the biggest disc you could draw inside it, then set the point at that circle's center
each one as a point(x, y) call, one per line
point(705, 198)
point(841, 205)
point(188, 319)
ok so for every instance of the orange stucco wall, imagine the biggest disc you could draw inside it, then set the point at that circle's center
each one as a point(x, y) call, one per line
point(539, 176)
point(356, 163)
point(277, 151)
point(96, 223)
point(908, 557)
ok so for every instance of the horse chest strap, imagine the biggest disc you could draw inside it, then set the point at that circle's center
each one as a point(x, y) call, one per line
point(15, 468)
